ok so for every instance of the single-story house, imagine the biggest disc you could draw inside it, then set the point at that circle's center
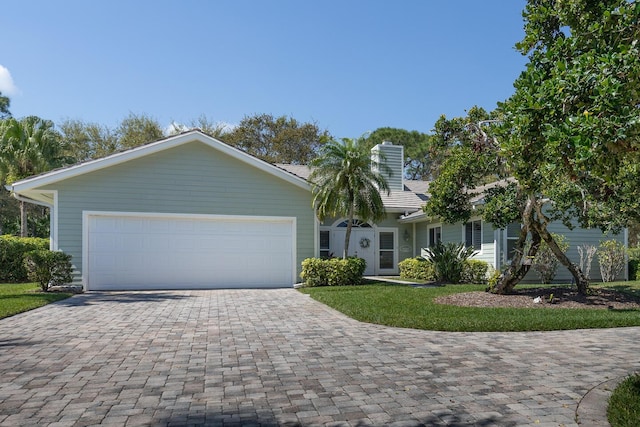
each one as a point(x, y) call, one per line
point(189, 211)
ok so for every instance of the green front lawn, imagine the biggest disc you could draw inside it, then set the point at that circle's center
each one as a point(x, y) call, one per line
point(410, 307)
point(624, 403)
point(17, 298)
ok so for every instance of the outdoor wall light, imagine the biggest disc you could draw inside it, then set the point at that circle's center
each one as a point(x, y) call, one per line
point(406, 235)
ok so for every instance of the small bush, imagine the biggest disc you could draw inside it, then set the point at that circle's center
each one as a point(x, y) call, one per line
point(417, 269)
point(475, 271)
point(448, 260)
point(48, 268)
point(332, 272)
point(12, 250)
point(611, 256)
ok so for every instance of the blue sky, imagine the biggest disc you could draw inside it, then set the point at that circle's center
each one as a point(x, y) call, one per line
point(350, 65)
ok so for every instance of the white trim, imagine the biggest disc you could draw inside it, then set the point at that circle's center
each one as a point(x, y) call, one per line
point(497, 248)
point(53, 222)
point(154, 147)
point(464, 234)
point(249, 218)
point(431, 226)
point(393, 230)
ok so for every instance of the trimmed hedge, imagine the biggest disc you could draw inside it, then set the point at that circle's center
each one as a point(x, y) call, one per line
point(474, 271)
point(12, 250)
point(417, 268)
point(332, 272)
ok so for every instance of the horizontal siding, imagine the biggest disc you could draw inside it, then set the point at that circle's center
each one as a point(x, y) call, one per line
point(577, 237)
point(194, 179)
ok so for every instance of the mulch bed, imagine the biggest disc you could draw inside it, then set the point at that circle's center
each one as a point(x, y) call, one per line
point(563, 297)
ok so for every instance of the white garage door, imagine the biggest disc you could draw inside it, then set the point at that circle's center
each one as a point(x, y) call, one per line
point(187, 252)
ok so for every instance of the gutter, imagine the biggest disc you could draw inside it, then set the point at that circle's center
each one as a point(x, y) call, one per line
point(27, 199)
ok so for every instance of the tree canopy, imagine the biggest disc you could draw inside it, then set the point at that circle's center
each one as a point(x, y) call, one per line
point(570, 134)
point(27, 147)
point(420, 155)
point(277, 139)
point(5, 102)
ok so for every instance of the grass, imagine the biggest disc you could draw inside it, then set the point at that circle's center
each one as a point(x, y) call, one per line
point(624, 403)
point(410, 307)
point(20, 297)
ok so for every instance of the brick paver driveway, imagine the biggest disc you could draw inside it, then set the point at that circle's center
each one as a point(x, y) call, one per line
point(276, 357)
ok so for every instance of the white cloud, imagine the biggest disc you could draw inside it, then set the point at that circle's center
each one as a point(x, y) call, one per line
point(7, 87)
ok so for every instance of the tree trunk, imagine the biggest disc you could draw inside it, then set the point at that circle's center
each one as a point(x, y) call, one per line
point(518, 269)
point(582, 281)
point(347, 236)
point(23, 219)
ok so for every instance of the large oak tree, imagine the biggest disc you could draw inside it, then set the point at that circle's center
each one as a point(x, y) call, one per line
point(570, 134)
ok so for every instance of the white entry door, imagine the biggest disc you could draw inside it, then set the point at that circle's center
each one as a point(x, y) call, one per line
point(361, 244)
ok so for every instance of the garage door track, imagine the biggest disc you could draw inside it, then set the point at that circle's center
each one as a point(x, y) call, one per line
point(276, 357)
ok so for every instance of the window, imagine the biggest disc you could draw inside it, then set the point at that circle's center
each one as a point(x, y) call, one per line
point(435, 236)
point(513, 233)
point(324, 243)
point(473, 234)
point(386, 249)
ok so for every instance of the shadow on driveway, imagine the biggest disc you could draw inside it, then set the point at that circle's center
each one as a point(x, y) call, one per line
point(90, 298)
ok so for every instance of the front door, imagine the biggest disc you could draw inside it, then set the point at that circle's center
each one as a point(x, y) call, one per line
point(361, 245)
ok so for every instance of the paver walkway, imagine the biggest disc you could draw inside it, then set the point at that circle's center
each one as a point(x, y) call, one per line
point(276, 357)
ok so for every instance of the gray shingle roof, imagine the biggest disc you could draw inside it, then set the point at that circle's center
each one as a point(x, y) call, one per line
point(410, 200)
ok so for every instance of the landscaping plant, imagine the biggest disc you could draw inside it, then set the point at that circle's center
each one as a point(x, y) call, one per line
point(332, 272)
point(416, 268)
point(448, 260)
point(611, 256)
point(48, 268)
point(586, 253)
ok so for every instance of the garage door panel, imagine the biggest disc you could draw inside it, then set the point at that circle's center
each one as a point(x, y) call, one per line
point(129, 252)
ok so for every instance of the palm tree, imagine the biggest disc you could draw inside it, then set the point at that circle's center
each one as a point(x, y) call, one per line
point(344, 183)
point(27, 147)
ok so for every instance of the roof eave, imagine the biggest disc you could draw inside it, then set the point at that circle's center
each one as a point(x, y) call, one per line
point(21, 187)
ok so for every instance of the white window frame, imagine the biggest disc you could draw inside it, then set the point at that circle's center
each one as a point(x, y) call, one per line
point(320, 248)
point(394, 269)
point(430, 244)
point(464, 234)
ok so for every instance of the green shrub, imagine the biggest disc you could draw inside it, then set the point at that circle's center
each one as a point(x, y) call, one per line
point(448, 260)
point(475, 271)
point(545, 262)
point(624, 404)
point(611, 256)
point(12, 250)
point(48, 268)
point(332, 272)
point(417, 269)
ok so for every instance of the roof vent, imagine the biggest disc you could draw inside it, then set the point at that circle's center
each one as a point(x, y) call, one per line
point(387, 143)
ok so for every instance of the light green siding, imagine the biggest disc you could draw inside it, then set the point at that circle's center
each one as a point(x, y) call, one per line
point(577, 237)
point(193, 178)
point(493, 240)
